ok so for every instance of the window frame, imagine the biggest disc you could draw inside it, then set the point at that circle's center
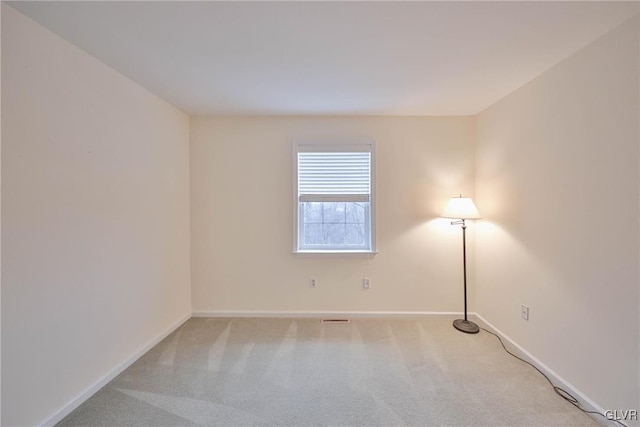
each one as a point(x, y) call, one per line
point(360, 145)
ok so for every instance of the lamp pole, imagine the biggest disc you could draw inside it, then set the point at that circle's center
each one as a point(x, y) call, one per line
point(464, 325)
point(464, 265)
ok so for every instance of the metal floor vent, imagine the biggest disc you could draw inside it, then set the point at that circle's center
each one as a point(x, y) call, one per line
point(335, 320)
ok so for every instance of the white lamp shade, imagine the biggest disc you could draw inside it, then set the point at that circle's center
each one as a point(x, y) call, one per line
point(461, 208)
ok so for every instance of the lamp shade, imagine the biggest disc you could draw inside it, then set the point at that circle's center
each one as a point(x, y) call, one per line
point(461, 208)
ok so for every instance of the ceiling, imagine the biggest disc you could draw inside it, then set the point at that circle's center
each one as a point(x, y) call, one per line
point(334, 58)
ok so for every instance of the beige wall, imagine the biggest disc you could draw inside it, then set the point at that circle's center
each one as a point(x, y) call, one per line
point(95, 219)
point(0, 232)
point(242, 225)
point(557, 179)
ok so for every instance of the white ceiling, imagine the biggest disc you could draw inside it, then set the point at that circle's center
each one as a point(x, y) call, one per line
point(381, 58)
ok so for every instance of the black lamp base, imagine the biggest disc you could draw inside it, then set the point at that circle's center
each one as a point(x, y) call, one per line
point(466, 326)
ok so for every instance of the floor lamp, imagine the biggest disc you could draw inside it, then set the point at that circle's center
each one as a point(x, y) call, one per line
point(462, 209)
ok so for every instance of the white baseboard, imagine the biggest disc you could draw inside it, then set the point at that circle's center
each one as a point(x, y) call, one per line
point(82, 397)
point(584, 401)
point(318, 314)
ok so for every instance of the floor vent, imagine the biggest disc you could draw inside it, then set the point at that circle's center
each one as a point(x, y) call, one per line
point(335, 320)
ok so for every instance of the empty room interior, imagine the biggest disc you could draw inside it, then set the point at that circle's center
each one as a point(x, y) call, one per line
point(320, 213)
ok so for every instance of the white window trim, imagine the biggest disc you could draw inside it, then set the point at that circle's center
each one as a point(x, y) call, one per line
point(337, 145)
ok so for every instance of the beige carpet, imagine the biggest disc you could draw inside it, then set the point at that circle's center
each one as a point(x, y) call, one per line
point(254, 372)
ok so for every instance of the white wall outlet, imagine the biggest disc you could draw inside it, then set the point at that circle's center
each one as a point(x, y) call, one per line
point(524, 312)
point(313, 282)
point(366, 283)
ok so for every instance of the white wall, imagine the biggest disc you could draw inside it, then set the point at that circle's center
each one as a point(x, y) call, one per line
point(95, 220)
point(242, 216)
point(0, 232)
point(558, 181)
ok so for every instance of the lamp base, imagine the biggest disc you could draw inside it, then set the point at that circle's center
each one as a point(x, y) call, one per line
point(466, 326)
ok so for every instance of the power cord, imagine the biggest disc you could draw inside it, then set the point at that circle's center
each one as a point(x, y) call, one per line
point(559, 391)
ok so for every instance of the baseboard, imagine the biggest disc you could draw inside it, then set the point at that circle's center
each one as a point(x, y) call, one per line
point(584, 401)
point(82, 397)
point(318, 314)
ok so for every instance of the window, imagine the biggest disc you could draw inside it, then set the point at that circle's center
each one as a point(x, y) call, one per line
point(334, 198)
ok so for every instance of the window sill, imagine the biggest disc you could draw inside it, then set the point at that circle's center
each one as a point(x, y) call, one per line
point(335, 253)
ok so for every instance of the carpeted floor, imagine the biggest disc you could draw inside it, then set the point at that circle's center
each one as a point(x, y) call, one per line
point(300, 372)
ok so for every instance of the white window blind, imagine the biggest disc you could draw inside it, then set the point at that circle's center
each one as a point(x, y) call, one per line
point(334, 176)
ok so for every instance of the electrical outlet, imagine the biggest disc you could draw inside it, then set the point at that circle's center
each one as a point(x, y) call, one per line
point(524, 312)
point(313, 282)
point(366, 283)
